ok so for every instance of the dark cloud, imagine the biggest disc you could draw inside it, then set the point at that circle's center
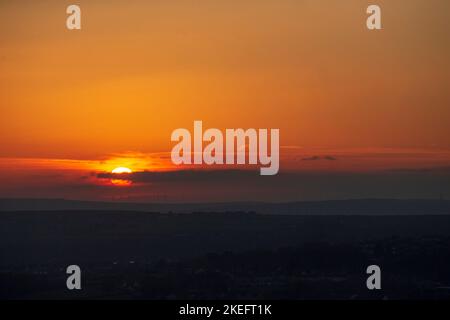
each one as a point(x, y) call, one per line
point(248, 185)
point(183, 175)
point(315, 158)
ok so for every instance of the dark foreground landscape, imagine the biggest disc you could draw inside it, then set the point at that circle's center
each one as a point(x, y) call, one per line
point(233, 255)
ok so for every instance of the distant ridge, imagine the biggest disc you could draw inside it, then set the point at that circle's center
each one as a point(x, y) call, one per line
point(330, 207)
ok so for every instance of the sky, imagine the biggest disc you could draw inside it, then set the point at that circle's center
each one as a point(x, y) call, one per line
point(357, 110)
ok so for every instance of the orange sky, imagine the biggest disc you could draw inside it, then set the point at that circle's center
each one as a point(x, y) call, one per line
point(140, 69)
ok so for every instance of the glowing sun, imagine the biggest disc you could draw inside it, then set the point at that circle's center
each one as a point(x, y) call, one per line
point(121, 170)
point(121, 182)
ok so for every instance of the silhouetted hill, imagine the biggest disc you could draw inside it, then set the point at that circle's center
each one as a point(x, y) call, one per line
point(331, 207)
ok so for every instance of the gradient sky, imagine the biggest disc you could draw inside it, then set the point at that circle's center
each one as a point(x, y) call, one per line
point(75, 104)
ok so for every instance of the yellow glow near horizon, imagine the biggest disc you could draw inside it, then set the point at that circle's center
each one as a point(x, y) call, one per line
point(122, 170)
